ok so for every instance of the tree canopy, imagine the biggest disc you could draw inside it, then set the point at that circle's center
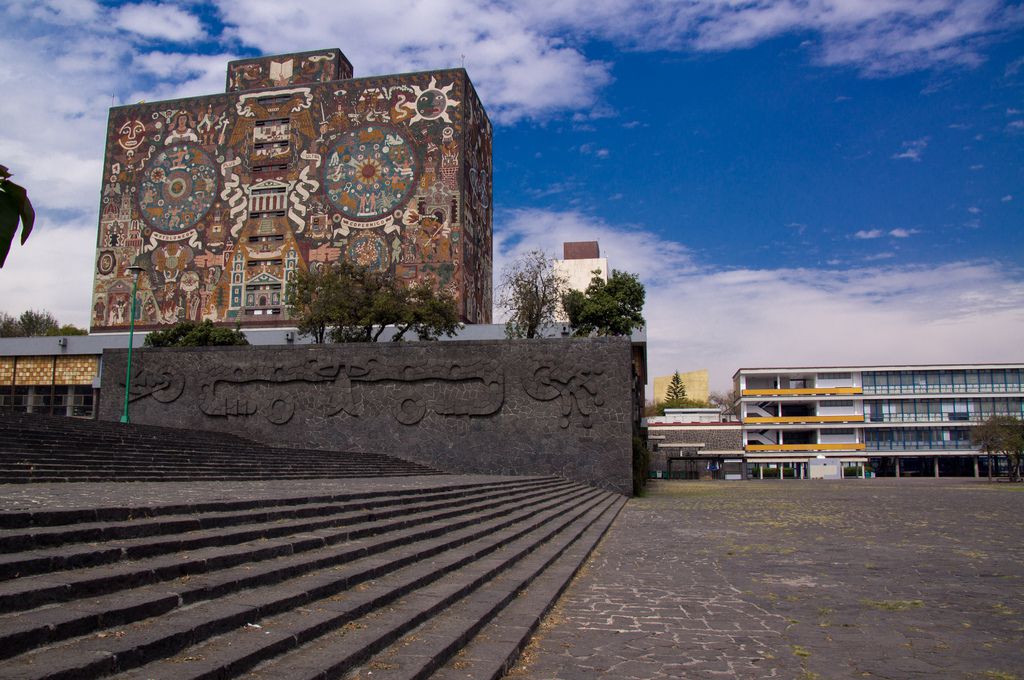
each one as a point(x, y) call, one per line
point(32, 323)
point(346, 302)
point(531, 292)
point(15, 209)
point(613, 307)
point(676, 390)
point(192, 334)
point(1002, 435)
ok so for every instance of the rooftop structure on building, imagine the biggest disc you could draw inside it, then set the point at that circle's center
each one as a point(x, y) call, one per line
point(223, 198)
point(580, 259)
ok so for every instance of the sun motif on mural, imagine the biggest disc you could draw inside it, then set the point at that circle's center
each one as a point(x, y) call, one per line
point(433, 102)
point(177, 189)
point(370, 171)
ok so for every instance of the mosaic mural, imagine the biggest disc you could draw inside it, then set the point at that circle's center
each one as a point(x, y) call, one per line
point(222, 198)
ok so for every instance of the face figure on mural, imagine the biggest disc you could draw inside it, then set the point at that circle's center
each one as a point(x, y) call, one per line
point(131, 135)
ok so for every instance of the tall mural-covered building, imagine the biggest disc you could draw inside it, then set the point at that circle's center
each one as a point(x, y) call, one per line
point(222, 198)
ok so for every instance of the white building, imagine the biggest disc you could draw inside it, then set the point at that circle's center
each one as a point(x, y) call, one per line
point(887, 420)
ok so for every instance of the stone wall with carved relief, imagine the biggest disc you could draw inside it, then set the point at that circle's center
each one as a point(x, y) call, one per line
point(559, 407)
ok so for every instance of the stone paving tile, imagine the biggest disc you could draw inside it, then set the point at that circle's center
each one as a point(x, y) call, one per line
point(804, 580)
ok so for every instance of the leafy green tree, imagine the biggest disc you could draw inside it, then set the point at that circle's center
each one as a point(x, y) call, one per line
point(192, 334)
point(313, 298)
point(32, 323)
point(426, 312)
point(15, 209)
point(613, 307)
point(1002, 435)
point(531, 290)
point(346, 302)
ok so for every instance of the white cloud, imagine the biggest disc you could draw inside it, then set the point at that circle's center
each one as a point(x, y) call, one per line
point(159, 21)
point(1007, 198)
point(724, 319)
point(977, 166)
point(52, 271)
point(912, 150)
point(887, 255)
point(868, 233)
point(974, 210)
point(520, 70)
point(903, 233)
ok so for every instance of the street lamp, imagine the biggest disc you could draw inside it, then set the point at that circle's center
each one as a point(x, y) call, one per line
point(136, 270)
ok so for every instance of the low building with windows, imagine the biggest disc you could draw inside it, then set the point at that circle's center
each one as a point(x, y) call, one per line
point(883, 420)
point(694, 443)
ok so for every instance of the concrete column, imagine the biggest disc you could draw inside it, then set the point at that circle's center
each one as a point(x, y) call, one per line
point(976, 466)
point(897, 467)
point(936, 461)
point(862, 470)
point(780, 470)
point(760, 470)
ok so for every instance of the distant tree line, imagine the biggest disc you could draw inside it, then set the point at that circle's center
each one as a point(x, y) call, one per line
point(32, 323)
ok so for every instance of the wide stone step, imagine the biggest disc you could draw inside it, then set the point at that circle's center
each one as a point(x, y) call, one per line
point(187, 518)
point(36, 448)
point(368, 617)
point(406, 566)
point(509, 607)
point(19, 631)
point(34, 566)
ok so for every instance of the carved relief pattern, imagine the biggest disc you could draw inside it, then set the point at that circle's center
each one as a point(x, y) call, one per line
point(576, 391)
point(446, 388)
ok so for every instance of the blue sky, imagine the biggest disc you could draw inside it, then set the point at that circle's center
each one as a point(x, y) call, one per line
point(795, 181)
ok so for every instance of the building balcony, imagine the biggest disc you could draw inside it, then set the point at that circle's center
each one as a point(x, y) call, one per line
point(801, 391)
point(852, 446)
point(786, 420)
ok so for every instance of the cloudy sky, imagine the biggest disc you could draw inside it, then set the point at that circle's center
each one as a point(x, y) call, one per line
point(795, 181)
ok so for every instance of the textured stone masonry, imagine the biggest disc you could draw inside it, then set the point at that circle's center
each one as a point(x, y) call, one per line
point(554, 407)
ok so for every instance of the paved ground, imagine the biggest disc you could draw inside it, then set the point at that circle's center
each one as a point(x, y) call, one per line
point(854, 579)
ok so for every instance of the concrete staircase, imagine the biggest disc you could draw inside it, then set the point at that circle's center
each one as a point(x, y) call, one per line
point(37, 448)
point(447, 578)
point(401, 573)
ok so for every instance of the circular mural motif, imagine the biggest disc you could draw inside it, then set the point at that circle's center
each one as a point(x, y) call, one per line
point(431, 104)
point(370, 252)
point(370, 171)
point(106, 262)
point(177, 188)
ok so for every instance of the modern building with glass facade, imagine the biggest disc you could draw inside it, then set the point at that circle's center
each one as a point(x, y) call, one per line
point(886, 420)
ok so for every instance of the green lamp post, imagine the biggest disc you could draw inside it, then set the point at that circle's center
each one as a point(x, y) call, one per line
point(136, 270)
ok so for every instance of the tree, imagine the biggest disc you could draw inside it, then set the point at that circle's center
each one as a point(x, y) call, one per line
point(192, 334)
point(33, 324)
point(1002, 435)
point(313, 297)
point(15, 208)
point(346, 302)
point(614, 307)
point(675, 396)
point(427, 312)
point(676, 390)
point(726, 402)
point(531, 290)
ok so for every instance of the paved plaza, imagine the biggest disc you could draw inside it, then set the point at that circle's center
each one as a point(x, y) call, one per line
point(798, 579)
